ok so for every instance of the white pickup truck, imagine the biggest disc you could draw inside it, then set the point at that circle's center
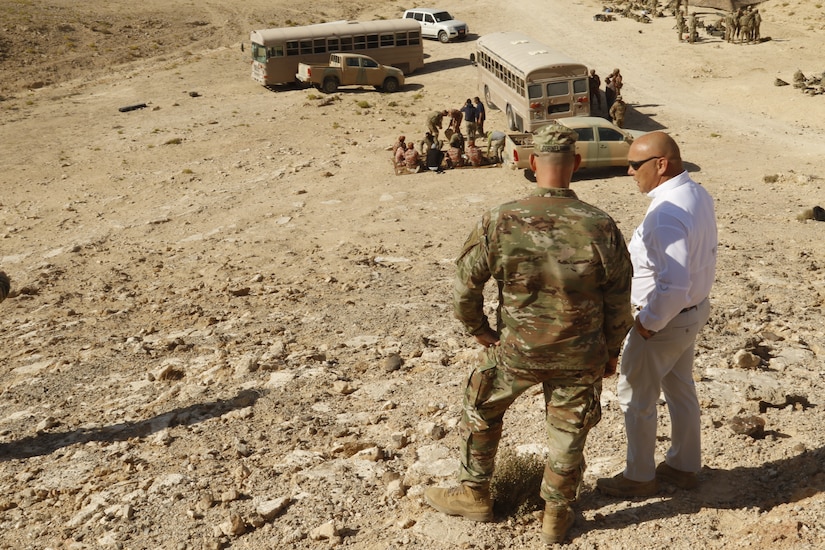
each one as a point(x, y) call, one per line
point(350, 69)
point(601, 143)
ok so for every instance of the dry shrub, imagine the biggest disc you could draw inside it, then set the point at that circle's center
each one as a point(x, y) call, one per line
point(516, 483)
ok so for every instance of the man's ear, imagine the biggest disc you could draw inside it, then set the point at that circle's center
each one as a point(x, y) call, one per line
point(532, 161)
point(577, 162)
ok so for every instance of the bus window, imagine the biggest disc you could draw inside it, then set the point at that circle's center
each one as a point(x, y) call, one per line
point(319, 45)
point(372, 41)
point(258, 53)
point(306, 46)
point(276, 51)
point(400, 39)
point(333, 45)
point(579, 86)
point(292, 47)
point(359, 41)
point(560, 108)
point(557, 88)
point(415, 37)
point(346, 43)
point(386, 40)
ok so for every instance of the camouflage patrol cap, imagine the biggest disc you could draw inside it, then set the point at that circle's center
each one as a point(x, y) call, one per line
point(555, 138)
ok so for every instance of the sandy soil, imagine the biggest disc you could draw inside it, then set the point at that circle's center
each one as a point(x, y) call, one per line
point(230, 322)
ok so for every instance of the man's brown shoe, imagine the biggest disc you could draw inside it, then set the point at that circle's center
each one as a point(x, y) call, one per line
point(558, 519)
point(679, 478)
point(620, 486)
point(463, 500)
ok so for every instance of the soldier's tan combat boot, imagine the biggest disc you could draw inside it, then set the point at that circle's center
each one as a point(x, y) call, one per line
point(558, 519)
point(463, 500)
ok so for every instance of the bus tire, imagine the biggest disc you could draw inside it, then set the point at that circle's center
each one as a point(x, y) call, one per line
point(390, 85)
point(488, 99)
point(330, 85)
point(443, 37)
point(511, 119)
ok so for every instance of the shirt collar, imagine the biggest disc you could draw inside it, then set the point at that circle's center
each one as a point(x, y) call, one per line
point(669, 185)
point(554, 192)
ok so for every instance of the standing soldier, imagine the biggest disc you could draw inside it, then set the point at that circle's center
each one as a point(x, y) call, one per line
point(469, 113)
point(757, 22)
point(481, 115)
point(692, 28)
point(746, 27)
point(617, 111)
point(563, 275)
point(680, 24)
point(595, 83)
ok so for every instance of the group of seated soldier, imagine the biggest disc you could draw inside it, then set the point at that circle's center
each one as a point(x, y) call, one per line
point(432, 156)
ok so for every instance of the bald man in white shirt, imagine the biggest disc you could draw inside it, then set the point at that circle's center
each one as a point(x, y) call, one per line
point(674, 264)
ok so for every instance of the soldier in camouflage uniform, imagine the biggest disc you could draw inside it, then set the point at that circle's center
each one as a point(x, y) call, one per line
point(563, 274)
point(617, 111)
point(434, 122)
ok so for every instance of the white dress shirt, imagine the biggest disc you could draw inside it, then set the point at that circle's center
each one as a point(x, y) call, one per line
point(673, 251)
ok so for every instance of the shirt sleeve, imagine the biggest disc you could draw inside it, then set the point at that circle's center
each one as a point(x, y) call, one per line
point(472, 272)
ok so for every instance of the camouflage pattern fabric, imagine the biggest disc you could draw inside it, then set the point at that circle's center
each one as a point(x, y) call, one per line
point(563, 274)
point(572, 409)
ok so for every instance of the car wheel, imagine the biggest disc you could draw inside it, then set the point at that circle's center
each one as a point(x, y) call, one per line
point(511, 119)
point(488, 99)
point(443, 37)
point(390, 85)
point(330, 85)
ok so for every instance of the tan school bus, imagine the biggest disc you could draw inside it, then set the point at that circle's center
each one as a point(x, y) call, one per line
point(277, 52)
point(529, 81)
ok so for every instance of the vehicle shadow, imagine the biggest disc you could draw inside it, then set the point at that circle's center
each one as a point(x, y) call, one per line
point(764, 487)
point(634, 118)
point(443, 65)
point(46, 443)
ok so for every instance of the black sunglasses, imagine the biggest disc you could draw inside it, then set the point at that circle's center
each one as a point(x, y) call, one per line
point(636, 164)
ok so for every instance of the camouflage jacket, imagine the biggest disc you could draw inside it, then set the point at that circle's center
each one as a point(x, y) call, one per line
point(563, 275)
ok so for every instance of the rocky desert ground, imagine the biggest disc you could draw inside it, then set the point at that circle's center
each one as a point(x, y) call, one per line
point(230, 324)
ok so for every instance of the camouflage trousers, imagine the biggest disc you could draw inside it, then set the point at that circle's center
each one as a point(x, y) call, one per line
point(572, 408)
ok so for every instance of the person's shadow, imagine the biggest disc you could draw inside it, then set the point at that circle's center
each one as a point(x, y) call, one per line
point(764, 487)
point(48, 442)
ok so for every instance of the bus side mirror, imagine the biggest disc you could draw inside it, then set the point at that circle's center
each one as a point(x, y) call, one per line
point(473, 58)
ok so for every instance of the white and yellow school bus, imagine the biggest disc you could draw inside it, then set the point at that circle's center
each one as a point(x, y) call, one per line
point(529, 81)
point(277, 52)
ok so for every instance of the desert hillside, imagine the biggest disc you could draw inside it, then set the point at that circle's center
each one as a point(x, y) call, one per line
point(230, 322)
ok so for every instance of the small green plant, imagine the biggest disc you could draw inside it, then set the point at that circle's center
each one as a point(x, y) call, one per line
point(419, 95)
point(312, 96)
point(715, 135)
point(335, 125)
point(173, 141)
point(392, 104)
point(364, 104)
point(187, 171)
point(770, 178)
